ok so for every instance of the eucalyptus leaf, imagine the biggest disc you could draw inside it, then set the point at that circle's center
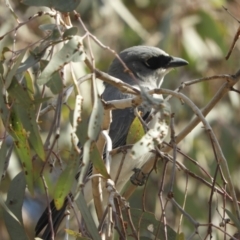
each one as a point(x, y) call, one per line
point(55, 83)
point(94, 128)
point(136, 131)
point(71, 51)
point(234, 219)
point(96, 118)
point(11, 73)
point(70, 32)
point(87, 216)
point(3, 154)
point(14, 202)
point(33, 58)
point(65, 181)
point(97, 161)
point(22, 147)
point(26, 112)
point(27, 83)
point(1, 68)
point(4, 113)
point(49, 27)
point(147, 222)
point(180, 236)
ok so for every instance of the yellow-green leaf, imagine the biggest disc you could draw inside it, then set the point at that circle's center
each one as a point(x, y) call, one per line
point(20, 137)
point(26, 111)
point(135, 132)
point(98, 161)
point(66, 179)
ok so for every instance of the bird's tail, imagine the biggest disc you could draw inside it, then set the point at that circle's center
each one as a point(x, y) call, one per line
point(57, 218)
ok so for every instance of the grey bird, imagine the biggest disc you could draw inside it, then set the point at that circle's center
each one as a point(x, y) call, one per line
point(149, 65)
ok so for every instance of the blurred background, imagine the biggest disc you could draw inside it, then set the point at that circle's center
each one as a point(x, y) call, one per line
point(201, 32)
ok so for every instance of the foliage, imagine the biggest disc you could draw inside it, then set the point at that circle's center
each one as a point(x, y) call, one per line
point(50, 98)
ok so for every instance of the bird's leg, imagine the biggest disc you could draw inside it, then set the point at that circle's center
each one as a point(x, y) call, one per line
point(138, 178)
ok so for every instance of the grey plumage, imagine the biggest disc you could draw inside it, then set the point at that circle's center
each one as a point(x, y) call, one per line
point(149, 66)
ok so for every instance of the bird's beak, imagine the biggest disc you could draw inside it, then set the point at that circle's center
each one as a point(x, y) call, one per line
point(177, 62)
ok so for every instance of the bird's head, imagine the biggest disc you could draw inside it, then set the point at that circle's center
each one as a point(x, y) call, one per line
point(148, 64)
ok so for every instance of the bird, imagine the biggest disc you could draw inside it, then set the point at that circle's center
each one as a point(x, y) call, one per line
point(149, 65)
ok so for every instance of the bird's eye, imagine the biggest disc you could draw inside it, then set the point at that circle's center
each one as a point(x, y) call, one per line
point(158, 62)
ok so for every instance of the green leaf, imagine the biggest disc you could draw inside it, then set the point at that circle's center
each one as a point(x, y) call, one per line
point(87, 216)
point(54, 30)
point(55, 83)
point(94, 128)
point(12, 72)
point(1, 68)
point(147, 222)
point(26, 112)
point(98, 161)
point(96, 118)
point(5, 49)
point(14, 202)
point(17, 91)
point(70, 32)
point(5, 207)
point(66, 179)
point(27, 83)
point(20, 137)
point(59, 5)
point(3, 156)
point(4, 110)
point(81, 121)
point(234, 219)
point(33, 58)
point(71, 51)
point(136, 131)
point(49, 27)
point(180, 236)
point(76, 235)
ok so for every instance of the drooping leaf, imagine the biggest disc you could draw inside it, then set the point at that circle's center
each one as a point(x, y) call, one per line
point(94, 128)
point(66, 179)
point(3, 153)
point(97, 161)
point(70, 32)
point(28, 84)
point(76, 235)
point(49, 27)
point(14, 203)
point(5, 207)
point(59, 5)
point(55, 83)
point(5, 49)
point(136, 131)
point(34, 57)
point(26, 112)
point(20, 137)
point(96, 118)
point(1, 68)
point(180, 236)
point(87, 216)
point(12, 72)
point(147, 222)
point(4, 110)
point(71, 51)
point(234, 219)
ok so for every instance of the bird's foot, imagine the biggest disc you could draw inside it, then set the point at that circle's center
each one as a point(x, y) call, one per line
point(138, 178)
